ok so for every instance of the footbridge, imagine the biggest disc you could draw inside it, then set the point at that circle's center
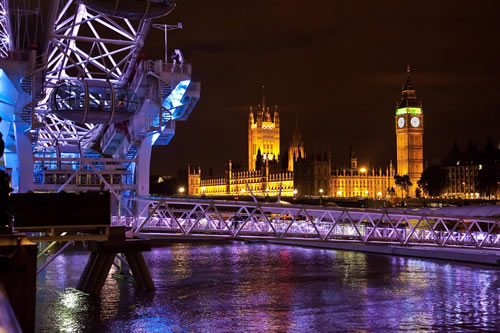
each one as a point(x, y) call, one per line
point(163, 218)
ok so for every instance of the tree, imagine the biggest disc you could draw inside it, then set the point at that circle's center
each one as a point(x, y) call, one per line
point(488, 179)
point(404, 183)
point(433, 181)
point(258, 161)
point(418, 193)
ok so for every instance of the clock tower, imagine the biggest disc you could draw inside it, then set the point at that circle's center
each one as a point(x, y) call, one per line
point(409, 122)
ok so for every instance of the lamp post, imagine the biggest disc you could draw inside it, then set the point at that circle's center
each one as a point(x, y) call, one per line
point(321, 197)
point(181, 190)
point(165, 28)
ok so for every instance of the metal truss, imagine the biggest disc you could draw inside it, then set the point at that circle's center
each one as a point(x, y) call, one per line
point(104, 169)
point(5, 35)
point(198, 218)
point(84, 44)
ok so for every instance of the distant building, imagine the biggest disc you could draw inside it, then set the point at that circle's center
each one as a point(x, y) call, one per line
point(464, 171)
point(409, 123)
point(263, 134)
point(259, 182)
point(296, 148)
point(270, 179)
point(303, 175)
point(361, 181)
point(312, 174)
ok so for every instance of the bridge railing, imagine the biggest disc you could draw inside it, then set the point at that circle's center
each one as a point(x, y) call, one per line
point(235, 219)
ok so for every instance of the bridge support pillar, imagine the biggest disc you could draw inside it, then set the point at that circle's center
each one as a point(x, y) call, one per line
point(101, 259)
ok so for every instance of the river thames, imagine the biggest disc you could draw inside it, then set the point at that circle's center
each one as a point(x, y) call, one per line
point(259, 287)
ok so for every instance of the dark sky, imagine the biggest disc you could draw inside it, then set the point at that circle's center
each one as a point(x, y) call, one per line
point(340, 65)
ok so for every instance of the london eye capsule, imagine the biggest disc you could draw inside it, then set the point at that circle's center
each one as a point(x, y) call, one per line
point(93, 101)
point(131, 9)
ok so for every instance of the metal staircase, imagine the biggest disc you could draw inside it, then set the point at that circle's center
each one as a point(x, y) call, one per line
point(26, 85)
point(132, 151)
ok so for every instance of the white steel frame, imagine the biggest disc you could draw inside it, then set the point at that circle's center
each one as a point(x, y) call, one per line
point(77, 49)
point(200, 218)
point(5, 30)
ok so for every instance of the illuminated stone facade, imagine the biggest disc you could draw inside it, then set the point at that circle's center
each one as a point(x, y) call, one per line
point(259, 183)
point(361, 181)
point(263, 134)
point(409, 123)
point(309, 175)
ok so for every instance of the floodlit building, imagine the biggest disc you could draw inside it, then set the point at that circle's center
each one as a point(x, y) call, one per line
point(304, 174)
point(409, 123)
point(467, 169)
point(361, 181)
point(263, 133)
point(268, 179)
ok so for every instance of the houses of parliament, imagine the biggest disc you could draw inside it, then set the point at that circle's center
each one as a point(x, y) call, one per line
point(303, 173)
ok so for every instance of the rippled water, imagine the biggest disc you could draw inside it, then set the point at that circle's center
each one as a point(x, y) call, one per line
point(256, 287)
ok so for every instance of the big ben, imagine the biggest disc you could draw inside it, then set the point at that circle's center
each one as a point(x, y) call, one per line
point(409, 122)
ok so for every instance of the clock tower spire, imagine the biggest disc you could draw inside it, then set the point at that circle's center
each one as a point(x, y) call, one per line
point(409, 122)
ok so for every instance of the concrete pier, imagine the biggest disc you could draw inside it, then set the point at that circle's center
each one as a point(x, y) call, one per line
point(102, 256)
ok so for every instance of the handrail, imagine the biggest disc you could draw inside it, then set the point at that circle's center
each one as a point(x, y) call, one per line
point(234, 203)
point(165, 217)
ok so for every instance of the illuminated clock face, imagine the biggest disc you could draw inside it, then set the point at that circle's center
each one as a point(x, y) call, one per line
point(415, 121)
point(401, 122)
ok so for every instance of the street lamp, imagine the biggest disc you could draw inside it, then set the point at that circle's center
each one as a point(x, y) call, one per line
point(321, 191)
point(339, 193)
point(362, 170)
point(181, 190)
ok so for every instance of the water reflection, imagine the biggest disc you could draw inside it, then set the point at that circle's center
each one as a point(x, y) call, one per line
point(269, 288)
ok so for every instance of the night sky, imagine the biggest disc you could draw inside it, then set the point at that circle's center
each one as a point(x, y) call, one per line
point(340, 65)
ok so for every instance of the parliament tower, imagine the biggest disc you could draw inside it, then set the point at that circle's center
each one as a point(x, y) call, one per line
point(409, 123)
point(263, 133)
point(296, 148)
